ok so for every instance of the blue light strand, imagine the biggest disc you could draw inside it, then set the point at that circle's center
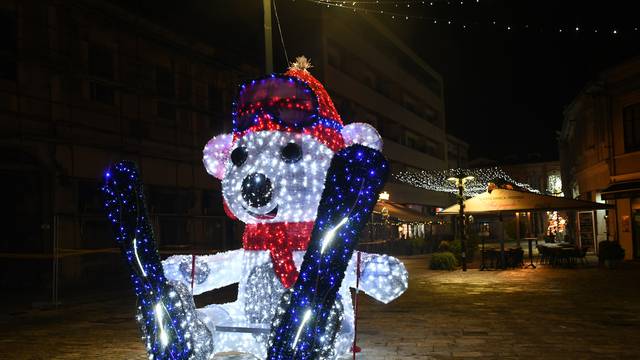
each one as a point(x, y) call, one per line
point(166, 311)
point(355, 178)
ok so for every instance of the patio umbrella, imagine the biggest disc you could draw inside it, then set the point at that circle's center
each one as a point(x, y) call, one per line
point(503, 200)
point(401, 212)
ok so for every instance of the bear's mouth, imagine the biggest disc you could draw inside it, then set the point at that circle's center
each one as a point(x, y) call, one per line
point(268, 216)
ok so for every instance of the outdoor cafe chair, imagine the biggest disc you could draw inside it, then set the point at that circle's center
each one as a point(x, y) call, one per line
point(581, 255)
point(544, 255)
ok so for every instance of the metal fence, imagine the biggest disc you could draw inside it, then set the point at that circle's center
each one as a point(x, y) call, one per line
point(84, 256)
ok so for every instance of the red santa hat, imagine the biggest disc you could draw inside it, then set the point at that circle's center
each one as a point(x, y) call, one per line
point(294, 102)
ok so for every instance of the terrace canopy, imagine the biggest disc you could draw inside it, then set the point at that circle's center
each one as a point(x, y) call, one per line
point(507, 201)
point(503, 200)
point(401, 212)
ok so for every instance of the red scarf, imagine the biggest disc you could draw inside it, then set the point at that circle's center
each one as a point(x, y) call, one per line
point(281, 239)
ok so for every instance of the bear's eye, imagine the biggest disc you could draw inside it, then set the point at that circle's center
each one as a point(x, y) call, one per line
point(239, 156)
point(291, 153)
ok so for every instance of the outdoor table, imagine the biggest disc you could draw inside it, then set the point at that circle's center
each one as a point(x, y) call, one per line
point(560, 254)
point(492, 256)
point(530, 240)
point(483, 266)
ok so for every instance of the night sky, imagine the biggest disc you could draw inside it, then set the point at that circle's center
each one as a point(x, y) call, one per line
point(505, 90)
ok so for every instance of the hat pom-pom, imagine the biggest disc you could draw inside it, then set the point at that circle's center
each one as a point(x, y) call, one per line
point(301, 63)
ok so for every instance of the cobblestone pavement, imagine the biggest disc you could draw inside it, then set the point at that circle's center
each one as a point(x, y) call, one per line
point(546, 313)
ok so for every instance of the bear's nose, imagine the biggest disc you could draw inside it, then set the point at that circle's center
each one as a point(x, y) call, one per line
point(257, 189)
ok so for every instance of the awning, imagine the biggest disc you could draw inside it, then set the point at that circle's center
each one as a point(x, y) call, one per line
point(501, 200)
point(621, 190)
point(401, 212)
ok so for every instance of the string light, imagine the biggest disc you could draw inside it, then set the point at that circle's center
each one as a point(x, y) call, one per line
point(374, 8)
point(289, 168)
point(396, 3)
point(436, 180)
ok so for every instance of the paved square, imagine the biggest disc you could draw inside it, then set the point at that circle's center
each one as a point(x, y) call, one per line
point(548, 313)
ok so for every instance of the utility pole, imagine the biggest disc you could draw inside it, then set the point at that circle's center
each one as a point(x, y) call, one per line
point(268, 38)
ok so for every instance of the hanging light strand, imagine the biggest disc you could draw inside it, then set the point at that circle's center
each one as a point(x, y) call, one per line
point(436, 180)
point(366, 7)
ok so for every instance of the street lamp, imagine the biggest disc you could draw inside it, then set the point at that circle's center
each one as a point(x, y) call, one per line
point(459, 181)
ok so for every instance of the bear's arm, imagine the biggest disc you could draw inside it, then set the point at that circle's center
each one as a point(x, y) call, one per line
point(212, 271)
point(382, 277)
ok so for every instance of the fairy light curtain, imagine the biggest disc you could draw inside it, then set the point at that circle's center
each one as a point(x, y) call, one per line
point(436, 180)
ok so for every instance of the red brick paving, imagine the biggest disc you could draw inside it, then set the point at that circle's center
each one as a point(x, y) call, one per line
point(548, 313)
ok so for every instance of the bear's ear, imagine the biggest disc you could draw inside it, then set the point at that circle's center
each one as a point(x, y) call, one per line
point(216, 154)
point(363, 134)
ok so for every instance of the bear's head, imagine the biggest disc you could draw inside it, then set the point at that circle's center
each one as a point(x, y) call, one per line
point(285, 132)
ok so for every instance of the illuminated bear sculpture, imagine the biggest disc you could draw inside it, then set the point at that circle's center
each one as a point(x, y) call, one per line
point(304, 184)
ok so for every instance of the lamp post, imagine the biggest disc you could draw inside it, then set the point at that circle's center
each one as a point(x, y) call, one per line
point(459, 181)
point(268, 44)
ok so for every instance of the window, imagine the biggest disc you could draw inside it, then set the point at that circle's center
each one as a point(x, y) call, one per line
point(366, 77)
point(554, 185)
point(631, 120)
point(169, 205)
point(166, 111)
point(391, 130)
point(165, 82)
point(101, 62)
point(411, 104)
point(212, 202)
point(432, 148)
point(8, 45)
point(217, 104)
point(184, 89)
point(89, 197)
point(101, 67)
point(385, 87)
point(215, 99)
point(421, 143)
point(102, 93)
point(431, 116)
point(415, 141)
point(170, 200)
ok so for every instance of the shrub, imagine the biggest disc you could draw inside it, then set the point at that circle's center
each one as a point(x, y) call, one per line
point(471, 244)
point(443, 246)
point(443, 261)
point(455, 248)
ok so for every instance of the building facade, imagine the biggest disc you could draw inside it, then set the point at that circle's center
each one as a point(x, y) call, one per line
point(374, 77)
point(84, 84)
point(457, 153)
point(542, 176)
point(600, 152)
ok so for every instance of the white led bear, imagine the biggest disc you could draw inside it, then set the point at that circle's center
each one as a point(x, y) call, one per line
point(273, 173)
